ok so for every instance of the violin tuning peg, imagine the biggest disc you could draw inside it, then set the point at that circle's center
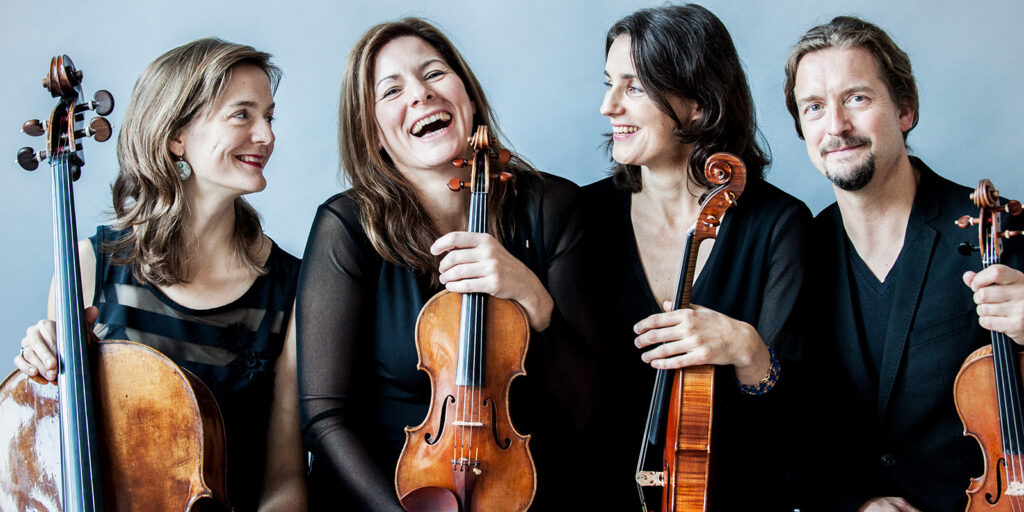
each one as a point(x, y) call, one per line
point(456, 184)
point(504, 156)
point(502, 176)
point(966, 249)
point(1011, 234)
point(1013, 208)
point(459, 162)
point(967, 221)
point(33, 127)
point(28, 159)
point(102, 102)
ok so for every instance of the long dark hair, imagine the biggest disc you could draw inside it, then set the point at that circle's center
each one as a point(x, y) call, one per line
point(685, 51)
point(390, 213)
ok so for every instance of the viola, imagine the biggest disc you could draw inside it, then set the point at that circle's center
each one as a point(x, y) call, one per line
point(680, 415)
point(466, 455)
point(987, 390)
point(124, 428)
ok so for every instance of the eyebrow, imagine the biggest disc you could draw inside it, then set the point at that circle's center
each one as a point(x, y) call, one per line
point(845, 92)
point(250, 104)
point(626, 76)
point(425, 63)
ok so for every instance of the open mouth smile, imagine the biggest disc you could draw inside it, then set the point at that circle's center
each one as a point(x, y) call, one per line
point(431, 124)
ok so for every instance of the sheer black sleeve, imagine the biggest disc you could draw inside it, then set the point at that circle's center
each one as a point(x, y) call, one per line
point(330, 306)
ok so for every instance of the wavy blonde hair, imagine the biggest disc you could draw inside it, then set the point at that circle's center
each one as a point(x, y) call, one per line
point(149, 200)
point(392, 217)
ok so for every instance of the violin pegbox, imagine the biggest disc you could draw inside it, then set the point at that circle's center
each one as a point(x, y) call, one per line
point(66, 124)
point(990, 235)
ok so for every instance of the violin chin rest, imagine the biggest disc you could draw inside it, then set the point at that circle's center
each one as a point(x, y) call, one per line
point(430, 499)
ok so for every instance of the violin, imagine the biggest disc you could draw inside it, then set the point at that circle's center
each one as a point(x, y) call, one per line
point(124, 428)
point(987, 390)
point(680, 415)
point(466, 455)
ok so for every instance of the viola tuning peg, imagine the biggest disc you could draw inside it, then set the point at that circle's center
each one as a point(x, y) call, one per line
point(33, 127)
point(1013, 208)
point(99, 129)
point(456, 184)
point(504, 156)
point(102, 102)
point(1011, 234)
point(459, 162)
point(504, 176)
point(28, 159)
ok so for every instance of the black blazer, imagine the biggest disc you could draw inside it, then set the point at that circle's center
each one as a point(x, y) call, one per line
point(900, 435)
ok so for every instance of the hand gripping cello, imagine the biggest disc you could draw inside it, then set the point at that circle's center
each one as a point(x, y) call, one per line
point(466, 455)
point(680, 419)
point(124, 429)
point(987, 389)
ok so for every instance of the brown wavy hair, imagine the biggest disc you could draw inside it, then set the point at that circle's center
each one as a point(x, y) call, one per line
point(392, 217)
point(686, 51)
point(846, 32)
point(149, 199)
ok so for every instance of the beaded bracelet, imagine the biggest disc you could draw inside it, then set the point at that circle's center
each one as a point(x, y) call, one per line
point(769, 380)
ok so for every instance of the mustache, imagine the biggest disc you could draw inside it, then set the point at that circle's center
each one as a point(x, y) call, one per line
point(839, 142)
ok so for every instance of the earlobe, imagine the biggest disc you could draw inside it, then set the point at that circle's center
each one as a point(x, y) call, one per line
point(906, 119)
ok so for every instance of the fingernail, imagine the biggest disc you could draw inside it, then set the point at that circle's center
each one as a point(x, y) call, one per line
point(31, 371)
point(50, 362)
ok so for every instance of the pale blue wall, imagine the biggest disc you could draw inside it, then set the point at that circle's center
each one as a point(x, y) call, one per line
point(541, 63)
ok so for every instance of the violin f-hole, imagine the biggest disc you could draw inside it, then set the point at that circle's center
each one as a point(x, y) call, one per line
point(494, 426)
point(448, 400)
point(999, 483)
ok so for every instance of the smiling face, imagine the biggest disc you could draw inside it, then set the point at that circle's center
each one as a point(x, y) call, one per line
point(851, 124)
point(641, 133)
point(424, 115)
point(229, 144)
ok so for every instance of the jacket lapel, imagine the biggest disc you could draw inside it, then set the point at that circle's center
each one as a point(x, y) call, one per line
point(918, 246)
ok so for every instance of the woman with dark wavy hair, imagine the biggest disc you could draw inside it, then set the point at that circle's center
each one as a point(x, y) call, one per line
point(677, 94)
point(379, 251)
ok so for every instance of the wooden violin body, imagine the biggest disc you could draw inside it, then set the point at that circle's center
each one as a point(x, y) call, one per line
point(987, 391)
point(1000, 487)
point(123, 428)
point(466, 455)
point(162, 436)
point(498, 468)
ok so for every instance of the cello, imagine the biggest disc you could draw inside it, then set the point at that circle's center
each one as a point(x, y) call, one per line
point(987, 390)
point(124, 428)
point(466, 455)
point(680, 415)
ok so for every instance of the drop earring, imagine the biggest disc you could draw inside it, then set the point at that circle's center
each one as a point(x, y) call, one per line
point(184, 169)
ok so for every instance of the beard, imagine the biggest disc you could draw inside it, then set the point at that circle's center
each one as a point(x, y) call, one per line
point(856, 178)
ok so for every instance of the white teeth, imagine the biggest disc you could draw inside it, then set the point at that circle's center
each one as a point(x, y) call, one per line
point(252, 159)
point(440, 116)
point(624, 129)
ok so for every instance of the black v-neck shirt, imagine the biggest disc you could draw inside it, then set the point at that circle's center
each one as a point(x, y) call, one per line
point(873, 300)
point(754, 274)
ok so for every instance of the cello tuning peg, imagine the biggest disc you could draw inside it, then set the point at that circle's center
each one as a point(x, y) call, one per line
point(456, 184)
point(102, 102)
point(33, 127)
point(967, 221)
point(99, 129)
point(966, 249)
point(459, 162)
point(28, 159)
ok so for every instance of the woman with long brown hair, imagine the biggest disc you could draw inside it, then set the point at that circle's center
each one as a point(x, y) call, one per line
point(185, 267)
point(378, 251)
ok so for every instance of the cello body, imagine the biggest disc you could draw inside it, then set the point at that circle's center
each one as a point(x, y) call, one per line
point(162, 436)
point(123, 428)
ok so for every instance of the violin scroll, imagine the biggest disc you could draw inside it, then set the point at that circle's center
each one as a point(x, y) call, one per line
point(987, 199)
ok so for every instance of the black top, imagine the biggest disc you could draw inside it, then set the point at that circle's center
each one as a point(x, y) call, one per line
point(897, 433)
point(356, 315)
point(873, 303)
point(231, 348)
point(753, 274)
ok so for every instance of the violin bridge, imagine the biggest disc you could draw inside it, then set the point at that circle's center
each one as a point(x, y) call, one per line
point(651, 478)
point(1014, 488)
point(467, 424)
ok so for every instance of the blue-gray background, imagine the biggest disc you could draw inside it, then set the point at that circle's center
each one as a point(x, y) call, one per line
point(540, 61)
